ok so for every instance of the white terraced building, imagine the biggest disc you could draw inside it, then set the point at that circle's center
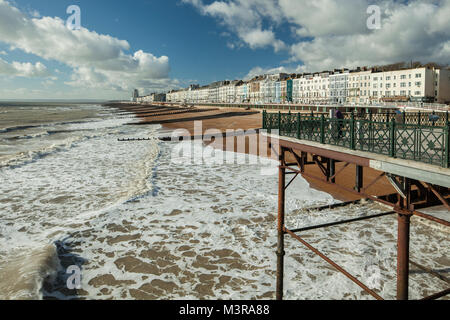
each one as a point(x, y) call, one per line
point(360, 86)
point(312, 88)
point(414, 84)
point(339, 86)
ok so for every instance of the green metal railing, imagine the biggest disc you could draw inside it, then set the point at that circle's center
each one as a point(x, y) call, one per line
point(423, 142)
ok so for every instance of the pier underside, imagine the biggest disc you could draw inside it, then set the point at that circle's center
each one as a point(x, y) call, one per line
point(414, 189)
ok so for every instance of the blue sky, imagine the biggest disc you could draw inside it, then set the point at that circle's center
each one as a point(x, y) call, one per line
point(193, 41)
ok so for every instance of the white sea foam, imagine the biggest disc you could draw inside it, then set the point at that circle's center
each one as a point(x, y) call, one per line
point(145, 222)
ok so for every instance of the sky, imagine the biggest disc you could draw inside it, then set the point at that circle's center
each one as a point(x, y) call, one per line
point(157, 45)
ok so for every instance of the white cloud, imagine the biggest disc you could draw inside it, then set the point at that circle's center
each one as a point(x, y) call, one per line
point(326, 17)
point(256, 71)
point(330, 34)
point(259, 39)
point(27, 69)
point(3, 53)
point(414, 31)
point(97, 60)
point(245, 19)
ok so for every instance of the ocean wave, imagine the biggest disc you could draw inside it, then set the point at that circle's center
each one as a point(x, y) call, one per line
point(29, 136)
point(23, 158)
point(22, 277)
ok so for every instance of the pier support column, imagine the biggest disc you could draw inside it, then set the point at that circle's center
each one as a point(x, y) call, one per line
point(359, 178)
point(281, 208)
point(404, 220)
point(331, 170)
point(403, 256)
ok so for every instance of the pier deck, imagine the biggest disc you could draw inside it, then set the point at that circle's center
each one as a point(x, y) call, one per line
point(420, 178)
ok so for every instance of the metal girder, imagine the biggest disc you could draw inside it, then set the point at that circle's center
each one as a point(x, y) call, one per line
point(440, 197)
point(331, 224)
point(339, 268)
point(403, 207)
point(397, 186)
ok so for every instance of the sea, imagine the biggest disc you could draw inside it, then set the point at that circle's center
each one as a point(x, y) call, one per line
point(86, 216)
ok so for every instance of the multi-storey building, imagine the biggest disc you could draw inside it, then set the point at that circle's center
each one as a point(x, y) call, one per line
point(416, 85)
point(242, 92)
point(303, 87)
point(442, 85)
point(135, 95)
point(339, 86)
point(359, 86)
point(255, 93)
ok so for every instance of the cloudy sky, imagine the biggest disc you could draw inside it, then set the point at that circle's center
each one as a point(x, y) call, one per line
point(155, 45)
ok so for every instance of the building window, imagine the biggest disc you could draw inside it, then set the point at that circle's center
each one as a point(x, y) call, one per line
point(418, 75)
point(418, 84)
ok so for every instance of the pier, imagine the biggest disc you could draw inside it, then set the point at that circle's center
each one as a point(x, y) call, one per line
point(410, 153)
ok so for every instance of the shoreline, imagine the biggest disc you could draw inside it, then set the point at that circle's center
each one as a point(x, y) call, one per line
point(222, 119)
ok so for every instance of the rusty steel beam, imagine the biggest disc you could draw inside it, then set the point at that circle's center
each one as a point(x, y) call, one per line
point(350, 190)
point(335, 205)
point(430, 271)
point(335, 265)
point(333, 177)
point(281, 212)
point(403, 208)
point(299, 159)
point(321, 166)
point(331, 224)
point(331, 170)
point(438, 295)
point(431, 218)
point(340, 156)
point(437, 194)
point(373, 182)
point(274, 151)
point(376, 199)
point(292, 180)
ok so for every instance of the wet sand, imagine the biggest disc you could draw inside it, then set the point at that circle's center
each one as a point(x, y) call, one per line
point(223, 119)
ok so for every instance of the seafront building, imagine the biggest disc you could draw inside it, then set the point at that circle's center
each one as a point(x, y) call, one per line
point(364, 86)
point(153, 97)
point(359, 86)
